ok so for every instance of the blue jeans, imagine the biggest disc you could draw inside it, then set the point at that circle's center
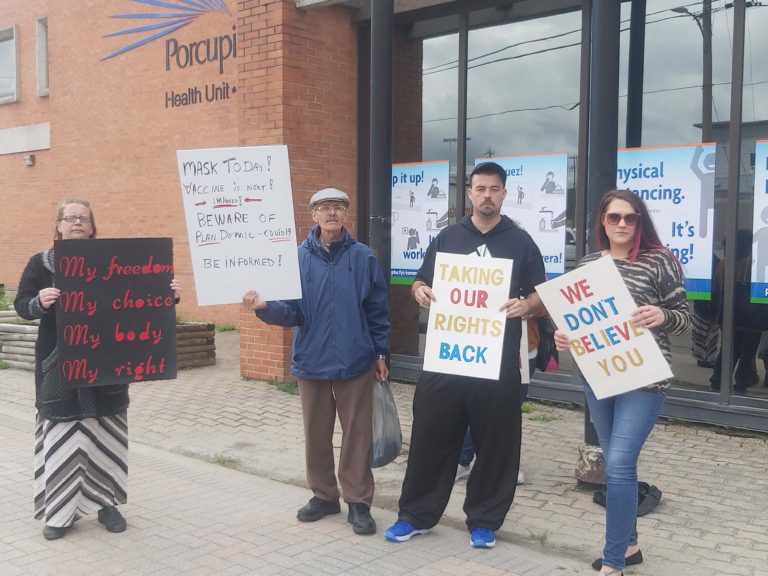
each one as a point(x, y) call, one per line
point(623, 424)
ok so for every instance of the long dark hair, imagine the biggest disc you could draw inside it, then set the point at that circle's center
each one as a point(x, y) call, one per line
point(646, 237)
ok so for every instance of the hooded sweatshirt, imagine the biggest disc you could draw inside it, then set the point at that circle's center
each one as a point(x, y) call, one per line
point(505, 240)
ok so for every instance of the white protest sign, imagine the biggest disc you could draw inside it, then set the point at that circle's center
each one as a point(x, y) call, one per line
point(465, 334)
point(242, 234)
point(525, 371)
point(593, 306)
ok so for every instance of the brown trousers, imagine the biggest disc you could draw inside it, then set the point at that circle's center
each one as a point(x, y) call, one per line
point(352, 399)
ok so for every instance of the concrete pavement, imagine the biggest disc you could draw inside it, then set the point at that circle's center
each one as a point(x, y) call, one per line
point(713, 519)
point(197, 519)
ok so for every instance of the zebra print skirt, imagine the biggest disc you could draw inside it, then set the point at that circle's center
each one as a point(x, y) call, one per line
point(80, 467)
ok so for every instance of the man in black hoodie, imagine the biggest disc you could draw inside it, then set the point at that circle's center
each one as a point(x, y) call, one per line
point(444, 404)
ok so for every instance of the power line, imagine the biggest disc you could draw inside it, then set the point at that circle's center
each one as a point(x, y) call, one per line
point(573, 105)
point(544, 38)
point(454, 63)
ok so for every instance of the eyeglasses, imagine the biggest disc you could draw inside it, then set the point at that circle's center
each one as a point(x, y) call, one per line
point(325, 208)
point(613, 218)
point(71, 219)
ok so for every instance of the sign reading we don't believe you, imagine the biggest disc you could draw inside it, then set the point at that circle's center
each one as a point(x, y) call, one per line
point(593, 306)
point(116, 315)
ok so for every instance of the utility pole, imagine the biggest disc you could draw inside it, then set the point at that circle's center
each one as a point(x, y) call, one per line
point(704, 22)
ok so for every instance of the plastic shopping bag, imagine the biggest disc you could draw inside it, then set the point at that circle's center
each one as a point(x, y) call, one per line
point(387, 436)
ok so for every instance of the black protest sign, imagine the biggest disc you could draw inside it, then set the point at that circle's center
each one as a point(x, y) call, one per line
point(116, 316)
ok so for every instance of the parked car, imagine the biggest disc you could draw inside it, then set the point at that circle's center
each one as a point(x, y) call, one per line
point(570, 248)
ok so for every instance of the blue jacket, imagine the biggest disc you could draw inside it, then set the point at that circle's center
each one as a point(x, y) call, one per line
point(342, 319)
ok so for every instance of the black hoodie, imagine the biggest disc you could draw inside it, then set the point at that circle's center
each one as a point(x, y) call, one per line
point(505, 240)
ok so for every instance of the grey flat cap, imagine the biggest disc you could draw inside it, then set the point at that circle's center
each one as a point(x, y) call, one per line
point(328, 195)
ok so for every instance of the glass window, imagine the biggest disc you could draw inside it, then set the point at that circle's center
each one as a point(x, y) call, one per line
point(9, 80)
point(42, 57)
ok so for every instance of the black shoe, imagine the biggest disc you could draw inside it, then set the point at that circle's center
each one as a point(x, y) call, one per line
point(112, 519)
point(360, 518)
point(317, 508)
point(54, 532)
point(636, 558)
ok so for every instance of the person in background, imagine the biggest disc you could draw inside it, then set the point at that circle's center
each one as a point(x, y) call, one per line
point(705, 330)
point(746, 335)
point(654, 277)
point(340, 343)
point(81, 434)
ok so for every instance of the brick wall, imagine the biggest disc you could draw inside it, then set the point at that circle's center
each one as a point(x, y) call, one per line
point(298, 74)
point(113, 141)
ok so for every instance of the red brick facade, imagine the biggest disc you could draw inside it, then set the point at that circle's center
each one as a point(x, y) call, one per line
point(116, 124)
point(113, 140)
point(298, 73)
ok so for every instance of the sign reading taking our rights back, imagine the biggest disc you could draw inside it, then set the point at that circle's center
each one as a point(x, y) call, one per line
point(593, 306)
point(465, 334)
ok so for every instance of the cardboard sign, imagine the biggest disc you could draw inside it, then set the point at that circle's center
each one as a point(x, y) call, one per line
point(593, 306)
point(242, 233)
point(116, 316)
point(465, 334)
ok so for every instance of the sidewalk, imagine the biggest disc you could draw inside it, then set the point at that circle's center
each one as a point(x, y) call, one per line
point(191, 518)
point(713, 518)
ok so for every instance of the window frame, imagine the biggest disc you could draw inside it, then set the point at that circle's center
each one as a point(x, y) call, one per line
point(43, 78)
point(12, 33)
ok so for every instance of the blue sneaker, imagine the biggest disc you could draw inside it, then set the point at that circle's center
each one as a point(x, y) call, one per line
point(482, 538)
point(401, 531)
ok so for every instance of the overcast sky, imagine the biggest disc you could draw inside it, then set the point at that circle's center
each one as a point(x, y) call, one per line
point(520, 103)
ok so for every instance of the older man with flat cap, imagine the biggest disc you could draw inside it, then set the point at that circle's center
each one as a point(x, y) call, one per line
point(340, 343)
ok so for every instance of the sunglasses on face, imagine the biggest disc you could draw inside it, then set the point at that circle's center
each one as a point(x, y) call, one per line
point(613, 218)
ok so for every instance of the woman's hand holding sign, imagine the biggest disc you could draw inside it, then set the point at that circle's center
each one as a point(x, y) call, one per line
point(648, 317)
point(48, 297)
point(562, 343)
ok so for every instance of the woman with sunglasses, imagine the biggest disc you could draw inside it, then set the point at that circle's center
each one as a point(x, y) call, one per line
point(81, 434)
point(655, 280)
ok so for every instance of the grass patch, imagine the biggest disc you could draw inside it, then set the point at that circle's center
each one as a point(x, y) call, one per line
point(544, 417)
point(225, 328)
point(3, 365)
point(287, 387)
point(226, 461)
point(540, 537)
point(4, 303)
point(526, 407)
